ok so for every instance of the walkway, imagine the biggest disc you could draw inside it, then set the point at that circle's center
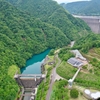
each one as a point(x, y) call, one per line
point(72, 44)
point(76, 74)
point(54, 77)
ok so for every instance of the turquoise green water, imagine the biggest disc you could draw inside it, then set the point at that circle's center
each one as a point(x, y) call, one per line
point(33, 65)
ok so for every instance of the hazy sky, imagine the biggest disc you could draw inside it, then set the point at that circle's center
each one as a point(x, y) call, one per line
point(65, 1)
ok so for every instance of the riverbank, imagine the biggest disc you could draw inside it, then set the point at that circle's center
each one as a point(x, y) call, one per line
point(33, 65)
point(44, 86)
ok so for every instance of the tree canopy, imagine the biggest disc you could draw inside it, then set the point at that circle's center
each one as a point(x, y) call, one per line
point(23, 34)
point(88, 42)
point(74, 93)
point(91, 7)
point(50, 12)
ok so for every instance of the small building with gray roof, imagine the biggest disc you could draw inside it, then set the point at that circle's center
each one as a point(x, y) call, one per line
point(75, 62)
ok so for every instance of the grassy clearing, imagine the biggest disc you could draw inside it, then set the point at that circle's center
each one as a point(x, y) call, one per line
point(47, 66)
point(12, 70)
point(51, 57)
point(84, 79)
point(65, 70)
point(88, 77)
point(93, 53)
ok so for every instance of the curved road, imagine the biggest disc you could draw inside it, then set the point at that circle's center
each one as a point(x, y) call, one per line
point(54, 74)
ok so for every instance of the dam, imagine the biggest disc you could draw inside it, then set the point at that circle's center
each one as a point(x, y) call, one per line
point(92, 21)
point(31, 76)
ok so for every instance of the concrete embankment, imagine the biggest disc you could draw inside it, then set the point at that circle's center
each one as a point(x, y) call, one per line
point(92, 21)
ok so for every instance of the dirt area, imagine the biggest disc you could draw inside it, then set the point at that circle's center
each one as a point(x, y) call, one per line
point(84, 71)
point(85, 62)
point(57, 51)
point(58, 77)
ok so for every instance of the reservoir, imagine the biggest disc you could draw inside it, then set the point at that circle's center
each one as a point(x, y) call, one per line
point(33, 65)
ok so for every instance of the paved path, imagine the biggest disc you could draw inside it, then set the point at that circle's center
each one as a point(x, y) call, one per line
point(72, 44)
point(54, 76)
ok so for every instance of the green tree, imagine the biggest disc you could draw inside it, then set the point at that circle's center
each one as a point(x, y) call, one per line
point(74, 93)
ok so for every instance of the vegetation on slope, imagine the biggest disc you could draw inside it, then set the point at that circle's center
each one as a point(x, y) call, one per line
point(21, 36)
point(50, 12)
point(65, 54)
point(60, 91)
point(44, 86)
point(83, 7)
point(88, 42)
point(90, 80)
point(74, 93)
point(90, 46)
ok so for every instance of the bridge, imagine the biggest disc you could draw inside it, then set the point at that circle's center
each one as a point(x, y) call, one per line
point(28, 84)
point(92, 21)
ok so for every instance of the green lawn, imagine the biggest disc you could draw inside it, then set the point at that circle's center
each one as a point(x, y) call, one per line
point(12, 70)
point(65, 70)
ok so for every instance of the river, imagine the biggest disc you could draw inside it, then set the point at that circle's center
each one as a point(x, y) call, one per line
point(33, 65)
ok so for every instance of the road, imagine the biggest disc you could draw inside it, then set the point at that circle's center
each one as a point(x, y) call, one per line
point(72, 44)
point(54, 75)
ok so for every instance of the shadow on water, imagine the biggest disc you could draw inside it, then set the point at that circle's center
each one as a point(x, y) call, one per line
point(33, 65)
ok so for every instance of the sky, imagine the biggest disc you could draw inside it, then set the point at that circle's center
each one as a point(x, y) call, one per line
point(66, 1)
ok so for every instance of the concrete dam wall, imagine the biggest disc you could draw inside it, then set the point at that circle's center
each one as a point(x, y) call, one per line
point(92, 21)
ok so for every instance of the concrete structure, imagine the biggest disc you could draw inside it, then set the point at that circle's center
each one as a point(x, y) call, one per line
point(72, 44)
point(95, 96)
point(70, 81)
point(78, 55)
point(87, 92)
point(75, 62)
point(28, 84)
point(92, 21)
point(92, 95)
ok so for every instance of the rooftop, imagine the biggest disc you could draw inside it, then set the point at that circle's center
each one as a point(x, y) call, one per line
point(95, 95)
point(75, 62)
point(92, 95)
point(78, 54)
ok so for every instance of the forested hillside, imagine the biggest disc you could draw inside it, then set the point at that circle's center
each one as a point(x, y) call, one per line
point(88, 42)
point(23, 35)
point(50, 12)
point(91, 8)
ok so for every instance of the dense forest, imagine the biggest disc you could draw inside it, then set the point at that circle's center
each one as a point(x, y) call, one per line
point(50, 12)
point(90, 8)
point(88, 42)
point(20, 37)
point(23, 34)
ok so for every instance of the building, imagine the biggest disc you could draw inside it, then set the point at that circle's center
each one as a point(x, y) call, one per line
point(75, 62)
point(92, 95)
point(95, 96)
point(78, 55)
